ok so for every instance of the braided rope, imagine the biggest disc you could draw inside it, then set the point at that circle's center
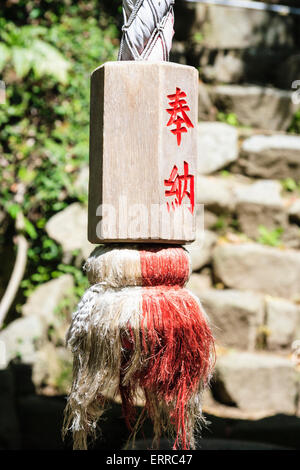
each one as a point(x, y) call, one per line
point(148, 30)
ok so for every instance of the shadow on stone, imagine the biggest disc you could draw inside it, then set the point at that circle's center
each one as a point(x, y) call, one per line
point(33, 422)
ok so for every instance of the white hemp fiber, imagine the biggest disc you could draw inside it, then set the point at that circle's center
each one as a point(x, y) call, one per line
point(148, 30)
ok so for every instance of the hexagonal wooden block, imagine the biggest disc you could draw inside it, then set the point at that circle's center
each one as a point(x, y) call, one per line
point(143, 153)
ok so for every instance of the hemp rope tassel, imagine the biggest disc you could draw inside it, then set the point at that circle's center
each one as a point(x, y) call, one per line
point(137, 331)
point(136, 328)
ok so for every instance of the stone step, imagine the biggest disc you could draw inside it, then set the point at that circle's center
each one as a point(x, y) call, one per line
point(270, 156)
point(69, 228)
point(255, 106)
point(261, 321)
point(26, 338)
point(201, 250)
point(228, 192)
point(283, 324)
point(256, 382)
point(252, 47)
point(21, 339)
point(251, 266)
point(251, 204)
point(251, 152)
point(231, 311)
point(218, 146)
point(294, 210)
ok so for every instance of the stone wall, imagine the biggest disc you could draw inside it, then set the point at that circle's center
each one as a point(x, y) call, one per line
point(236, 45)
point(247, 266)
point(247, 60)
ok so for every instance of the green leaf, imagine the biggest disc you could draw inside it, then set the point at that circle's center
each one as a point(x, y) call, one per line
point(289, 184)
point(22, 61)
point(51, 61)
point(270, 237)
point(50, 249)
point(13, 210)
point(198, 37)
point(41, 223)
point(26, 175)
point(35, 13)
point(30, 229)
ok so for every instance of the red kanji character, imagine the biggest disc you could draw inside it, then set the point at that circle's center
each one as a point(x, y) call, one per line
point(178, 105)
point(179, 187)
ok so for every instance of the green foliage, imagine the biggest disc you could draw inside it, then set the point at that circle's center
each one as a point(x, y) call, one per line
point(228, 118)
point(46, 272)
point(295, 124)
point(48, 50)
point(226, 223)
point(64, 378)
point(13, 210)
point(220, 224)
point(270, 237)
point(289, 184)
point(81, 282)
point(198, 37)
point(26, 52)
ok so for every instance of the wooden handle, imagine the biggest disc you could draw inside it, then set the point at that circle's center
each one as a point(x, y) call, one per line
point(143, 153)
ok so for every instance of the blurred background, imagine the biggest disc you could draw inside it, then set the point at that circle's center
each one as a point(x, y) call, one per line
point(246, 271)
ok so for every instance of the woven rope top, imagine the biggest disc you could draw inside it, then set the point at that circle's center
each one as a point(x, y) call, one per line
point(147, 30)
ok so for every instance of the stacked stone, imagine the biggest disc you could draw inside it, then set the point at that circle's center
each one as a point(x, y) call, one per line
point(248, 59)
point(247, 266)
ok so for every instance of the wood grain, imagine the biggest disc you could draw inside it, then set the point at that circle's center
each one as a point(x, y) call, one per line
point(132, 152)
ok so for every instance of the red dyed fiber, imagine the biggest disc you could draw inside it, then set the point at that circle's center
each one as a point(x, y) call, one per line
point(179, 342)
point(178, 347)
point(164, 266)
